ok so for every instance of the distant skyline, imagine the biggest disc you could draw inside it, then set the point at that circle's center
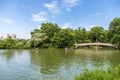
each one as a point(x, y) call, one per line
point(20, 17)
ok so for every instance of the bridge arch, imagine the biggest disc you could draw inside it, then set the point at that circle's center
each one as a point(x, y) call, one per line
point(95, 44)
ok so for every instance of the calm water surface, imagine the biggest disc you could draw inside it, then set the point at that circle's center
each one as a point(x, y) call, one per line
point(53, 64)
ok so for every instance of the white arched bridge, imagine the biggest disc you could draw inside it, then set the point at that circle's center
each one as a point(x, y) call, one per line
point(95, 44)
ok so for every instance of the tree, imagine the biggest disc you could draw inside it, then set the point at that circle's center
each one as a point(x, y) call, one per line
point(81, 36)
point(114, 30)
point(43, 37)
point(97, 34)
point(115, 22)
point(108, 35)
point(34, 32)
point(21, 44)
point(64, 38)
point(2, 44)
point(38, 38)
point(10, 43)
point(116, 39)
point(49, 29)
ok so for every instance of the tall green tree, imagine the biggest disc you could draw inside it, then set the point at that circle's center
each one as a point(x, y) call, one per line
point(10, 43)
point(37, 38)
point(49, 29)
point(21, 44)
point(115, 22)
point(43, 37)
point(2, 44)
point(97, 34)
point(81, 36)
point(114, 31)
point(64, 38)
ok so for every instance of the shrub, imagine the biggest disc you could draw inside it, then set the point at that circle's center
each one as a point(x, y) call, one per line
point(109, 74)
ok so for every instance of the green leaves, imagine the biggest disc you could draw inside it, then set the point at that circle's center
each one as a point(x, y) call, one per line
point(110, 74)
point(96, 33)
point(64, 38)
point(2, 44)
point(115, 31)
point(114, 22)
point(50, 35)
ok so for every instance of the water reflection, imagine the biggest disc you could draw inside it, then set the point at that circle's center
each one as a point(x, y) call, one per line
point(14, 64)
point(53, 64)
point(50, 60)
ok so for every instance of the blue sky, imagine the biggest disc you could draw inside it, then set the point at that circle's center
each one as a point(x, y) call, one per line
point(20, 17)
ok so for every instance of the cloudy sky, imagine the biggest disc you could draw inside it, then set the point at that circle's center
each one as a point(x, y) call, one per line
point(20, 17)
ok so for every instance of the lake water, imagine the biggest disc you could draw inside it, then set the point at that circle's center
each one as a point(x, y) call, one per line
point(53, 64)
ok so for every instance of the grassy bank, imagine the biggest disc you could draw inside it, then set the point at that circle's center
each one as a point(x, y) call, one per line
point(110, 74)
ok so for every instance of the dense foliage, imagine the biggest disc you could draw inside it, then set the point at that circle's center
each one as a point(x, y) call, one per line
point(114, 31)
point(110, 74)
point(10, 43)
point(51, 35)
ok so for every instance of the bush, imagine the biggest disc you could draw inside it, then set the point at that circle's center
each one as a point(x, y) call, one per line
point(110, 74)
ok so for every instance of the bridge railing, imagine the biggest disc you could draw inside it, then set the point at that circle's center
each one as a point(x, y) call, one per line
point(95, 44)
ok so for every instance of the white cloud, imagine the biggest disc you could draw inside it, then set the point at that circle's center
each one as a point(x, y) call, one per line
point(70, 3)
point(66, 25)
point(39, 17)
point(7, 21)
point(52, 7)
point(57, 6)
